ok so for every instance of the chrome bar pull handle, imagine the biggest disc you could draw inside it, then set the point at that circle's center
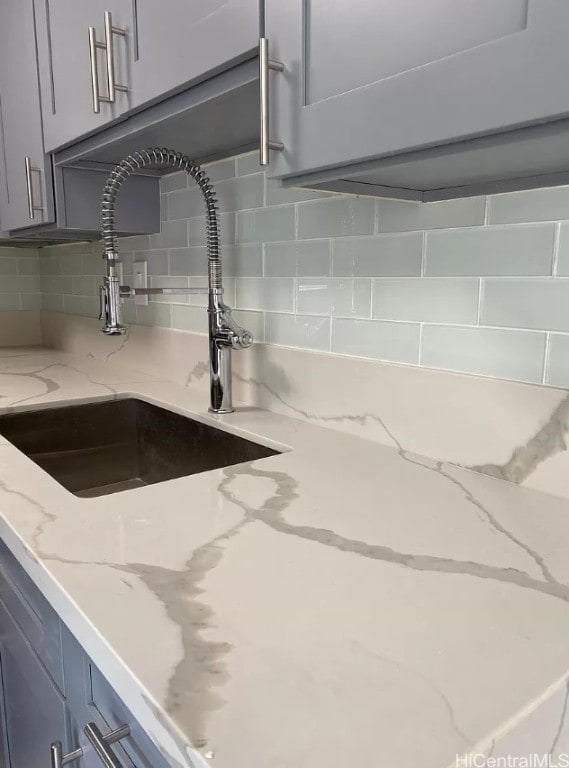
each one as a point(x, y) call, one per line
point(56, 755)
point(94, 46)
point(29, 190)
point(109, 47)
point(32, 207)
point(265, 65)
point(102, 744)
point(58, 759)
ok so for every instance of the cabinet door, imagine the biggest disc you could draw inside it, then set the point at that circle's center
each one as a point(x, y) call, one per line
point(26, 195)
point(65, 66)
point(92, 699)
point(34, 710)
point(370, 79)
point(185, 41)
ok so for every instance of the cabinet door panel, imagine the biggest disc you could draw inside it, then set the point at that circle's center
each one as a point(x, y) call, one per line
point(185, 41)
point(65, 70)
point(35, 617)
point(92, 699)
point(20, 118)
point(371, 79)
point(35, 713)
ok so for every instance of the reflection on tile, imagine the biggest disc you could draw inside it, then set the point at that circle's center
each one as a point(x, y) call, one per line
point(309, 258)
point(336, 217)
point(396, 342)
point(348, 298)
point(444, 300)
point(526, 303)
point(271, 294)
point(507, 354)
point(557, 367)
point(516, 250)
point(378, 256)
point(305, 331)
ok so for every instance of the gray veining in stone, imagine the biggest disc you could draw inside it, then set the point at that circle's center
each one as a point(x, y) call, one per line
point(561, 721)
point(337, 527)
point(271, 514)
point(549, 441)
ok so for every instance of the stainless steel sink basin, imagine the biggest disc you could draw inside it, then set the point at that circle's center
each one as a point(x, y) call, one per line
point(106, 447)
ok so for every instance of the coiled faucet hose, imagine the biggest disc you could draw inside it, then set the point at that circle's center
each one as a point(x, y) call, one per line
point(162, 157)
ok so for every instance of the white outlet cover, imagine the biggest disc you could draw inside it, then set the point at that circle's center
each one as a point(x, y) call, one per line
point(141, 281)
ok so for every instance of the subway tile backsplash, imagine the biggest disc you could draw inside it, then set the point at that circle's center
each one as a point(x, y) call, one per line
point(515, 250)
point(19, 279)
point(435, 300)
point(477, 285)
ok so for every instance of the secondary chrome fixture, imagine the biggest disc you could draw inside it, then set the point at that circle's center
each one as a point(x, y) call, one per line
point(101, 746)
point(224, 333)
point(265, 65)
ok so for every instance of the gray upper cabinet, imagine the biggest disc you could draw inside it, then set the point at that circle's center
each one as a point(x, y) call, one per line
point(366, 81)
point(179, 43)
point(26, 197)
point(69, 81)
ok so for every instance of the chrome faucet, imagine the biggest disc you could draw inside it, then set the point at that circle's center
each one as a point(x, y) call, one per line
point(224, 333)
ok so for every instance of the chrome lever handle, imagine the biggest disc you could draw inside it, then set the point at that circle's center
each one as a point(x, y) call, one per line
point(102, 744)
point(102, 302)
point(265, 65)
point(237, 337)
point(58, 759)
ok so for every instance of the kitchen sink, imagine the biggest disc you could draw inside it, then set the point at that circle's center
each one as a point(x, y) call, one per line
point(106, 447)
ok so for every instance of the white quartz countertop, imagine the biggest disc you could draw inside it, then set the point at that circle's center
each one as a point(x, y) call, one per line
point(342, 603)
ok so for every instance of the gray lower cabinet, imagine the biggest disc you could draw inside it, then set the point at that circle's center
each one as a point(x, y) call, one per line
point(26, 197)
point(50, 689)
point(180, 43)
point(74, 94)
point(92, 700)
point(366, 81)
point(34, 709)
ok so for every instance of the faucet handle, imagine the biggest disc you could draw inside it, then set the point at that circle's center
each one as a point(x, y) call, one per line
point(244, 340)
point(239, 338)
point(102, 302)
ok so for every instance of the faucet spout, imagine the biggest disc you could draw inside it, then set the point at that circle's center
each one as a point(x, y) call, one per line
point(225, 334)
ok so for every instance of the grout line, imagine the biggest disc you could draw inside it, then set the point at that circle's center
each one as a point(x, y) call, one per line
point(480, 299)
point(486, 210)
point(330, 334)
point(421, 326)
point(423, 252)
point(556, 239)
point(545, 369)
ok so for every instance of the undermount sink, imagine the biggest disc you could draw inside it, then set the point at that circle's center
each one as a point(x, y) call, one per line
point(105, 447)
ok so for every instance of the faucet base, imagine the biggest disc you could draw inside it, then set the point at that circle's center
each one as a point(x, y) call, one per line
point(220, 410)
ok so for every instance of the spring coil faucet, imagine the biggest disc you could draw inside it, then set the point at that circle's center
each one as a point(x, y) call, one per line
point(224, 333)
